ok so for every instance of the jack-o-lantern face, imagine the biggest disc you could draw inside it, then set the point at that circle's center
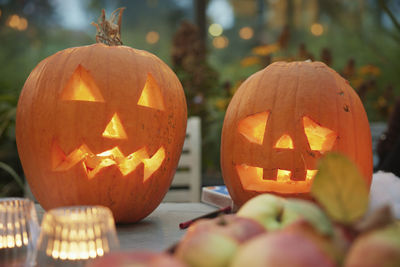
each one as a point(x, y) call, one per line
point(81, 87)
point(253, 128)
point(281, 121)
point(101, 125)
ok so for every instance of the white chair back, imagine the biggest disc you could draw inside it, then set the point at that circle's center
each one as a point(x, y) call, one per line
point(186, 185)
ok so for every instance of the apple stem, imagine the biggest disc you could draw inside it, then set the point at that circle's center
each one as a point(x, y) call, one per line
point(279, 215)
point(221, 220)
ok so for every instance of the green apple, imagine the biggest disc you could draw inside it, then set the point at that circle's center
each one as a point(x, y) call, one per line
point(380, 247)
point(275, 212)
point(295, 209)
point(267, 209)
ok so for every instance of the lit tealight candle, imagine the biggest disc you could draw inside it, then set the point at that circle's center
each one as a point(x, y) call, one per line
point(76, 235)
point(19, 229)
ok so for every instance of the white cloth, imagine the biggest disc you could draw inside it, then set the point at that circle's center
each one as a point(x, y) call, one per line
point(385, 189)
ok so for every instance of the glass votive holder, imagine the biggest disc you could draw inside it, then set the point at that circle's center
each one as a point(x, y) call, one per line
point(72, 236)
point(19, 229)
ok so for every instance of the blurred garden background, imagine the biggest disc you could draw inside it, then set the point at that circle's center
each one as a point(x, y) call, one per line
point(213, 46)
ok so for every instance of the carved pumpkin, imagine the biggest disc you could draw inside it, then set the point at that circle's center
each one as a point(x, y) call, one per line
point(281, 121)
point(101, 125)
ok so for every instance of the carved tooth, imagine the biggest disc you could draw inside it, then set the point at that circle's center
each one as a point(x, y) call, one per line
point(93, 163)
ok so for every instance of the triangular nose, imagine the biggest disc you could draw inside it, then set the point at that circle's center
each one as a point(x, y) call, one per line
point(285, 142)
point(114, 129)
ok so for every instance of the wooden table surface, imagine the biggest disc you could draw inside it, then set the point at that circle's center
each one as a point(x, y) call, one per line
point(160, 229)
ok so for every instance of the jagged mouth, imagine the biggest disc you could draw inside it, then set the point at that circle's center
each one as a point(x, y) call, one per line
point(251, 178)
point(93, 163)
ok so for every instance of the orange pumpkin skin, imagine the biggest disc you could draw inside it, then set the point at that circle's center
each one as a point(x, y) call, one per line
point(286, 97)
point(61, 134)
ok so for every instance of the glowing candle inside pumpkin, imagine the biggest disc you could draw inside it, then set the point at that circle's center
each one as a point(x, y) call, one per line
point(81, 87)
point(285, 142)
point(93, 163)
point(252, 178)
point(253, 127)
point(319, 138)
point(114, 129)
point(283, 176)
point(151, 95)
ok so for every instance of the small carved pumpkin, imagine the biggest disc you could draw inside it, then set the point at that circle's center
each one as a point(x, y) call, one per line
point(281, 121)
point(101, 125)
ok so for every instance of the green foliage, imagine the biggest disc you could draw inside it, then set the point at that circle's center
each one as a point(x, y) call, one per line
point(11, 182)
point(7, 188)
point(352, 30)
point(7, 114)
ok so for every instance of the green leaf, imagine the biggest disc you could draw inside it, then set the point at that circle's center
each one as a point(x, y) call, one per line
point(340, 188)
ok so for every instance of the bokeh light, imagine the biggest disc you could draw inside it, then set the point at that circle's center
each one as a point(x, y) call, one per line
point(317, 29)
point(152, 37)
point(215, 29)
point(220, 42)
point(246, 33)
point(17, 22)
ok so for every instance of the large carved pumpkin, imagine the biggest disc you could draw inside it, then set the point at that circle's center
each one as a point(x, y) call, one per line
point(101, 125)
point(282, 120)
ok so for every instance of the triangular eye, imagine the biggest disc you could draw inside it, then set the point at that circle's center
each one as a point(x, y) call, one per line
point(81, 87)
point(319, 138)
point(114, 129)
point(151, 96)
point(253, 127)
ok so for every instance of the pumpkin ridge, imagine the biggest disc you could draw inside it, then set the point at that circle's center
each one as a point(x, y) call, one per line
point(294, 115)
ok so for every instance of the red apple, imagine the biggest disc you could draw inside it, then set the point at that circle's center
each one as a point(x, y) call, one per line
point(239, 228)
point(207, 249)
point(380, 247)
point(213, 242)
point(333, 245)
point(136, 258)
point(281, 248)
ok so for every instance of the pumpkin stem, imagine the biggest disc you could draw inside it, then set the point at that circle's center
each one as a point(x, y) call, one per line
point(108, 32)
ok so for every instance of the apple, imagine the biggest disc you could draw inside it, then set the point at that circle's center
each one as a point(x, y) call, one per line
point(295, 209)
point(267, 209)
point(275, 212)
point(333, 245)
point(380, 247)
point(207, 249)
point(239, 228)
point(136, 258)
point(213, 242)
point(283, 248)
